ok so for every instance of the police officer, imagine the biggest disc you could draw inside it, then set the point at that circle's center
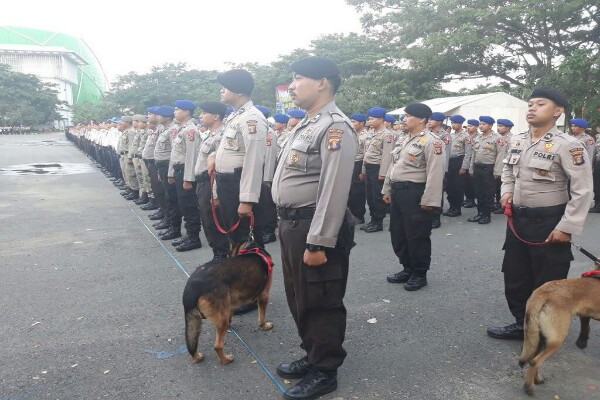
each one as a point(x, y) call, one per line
point(488, 153)
point(472, 130)
point(141, 170)
point(578, 127)
point(457, 171)
point(436, 126)
point(388, 121)
point(310, 188)
point(183, 158)
point(211, 117)
point(413, 187)
point(281, 131)
point(379, 145)
point(357, 199)
point(503, 126)
point(125, 126)
point(132, 157)
point(157, 196)
point(596, 172)
point(296, 115)
point(537, 170)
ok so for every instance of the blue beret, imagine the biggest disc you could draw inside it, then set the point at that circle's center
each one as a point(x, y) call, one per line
point(376, 112)
point(551, 94)
point(115, 119)
point(580, 122)
point(185, 105)
point(237, 80)
point(473, 122)
point(296, 113)
point(487, 119)
point(457, 118)
point(505, 122)
point(358, 117)
point(165, 111)
point(437, 116)
point(418, 110)
point(265, 110)
point(151, 109)
point(389, 118)
point(281, 118)
point(316, 67)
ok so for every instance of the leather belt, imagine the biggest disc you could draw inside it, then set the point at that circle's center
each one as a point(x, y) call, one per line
point(538, 212)
point(294, 214)
point(407, 185)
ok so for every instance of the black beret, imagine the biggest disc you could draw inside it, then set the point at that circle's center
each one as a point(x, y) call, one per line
point(316, 67)
point(213, 107)
point(550, 93)
point(237, 80)
point(418, 110)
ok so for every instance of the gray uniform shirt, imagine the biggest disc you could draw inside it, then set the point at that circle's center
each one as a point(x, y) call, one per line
point(185, 149)
point(489, 149)
point(150, 145)
point(419, 159)
point(143, 137)
point(588, 143)
point(459, 143)
point(209, 145)
point(315, 170)
point(379, 146)
point(537, 174)
point(270, 156)
point(243, 145)
point(362, 140)
point(135, 143)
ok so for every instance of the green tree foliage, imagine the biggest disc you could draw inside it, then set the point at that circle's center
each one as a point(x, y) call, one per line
point(25, 100)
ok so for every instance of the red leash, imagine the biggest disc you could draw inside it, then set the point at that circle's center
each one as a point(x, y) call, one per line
point(509, 216)
point(213, 209)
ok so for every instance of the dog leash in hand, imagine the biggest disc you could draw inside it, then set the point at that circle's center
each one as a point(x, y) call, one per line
point(213, 209)
point(509, 216)
point(587, 254)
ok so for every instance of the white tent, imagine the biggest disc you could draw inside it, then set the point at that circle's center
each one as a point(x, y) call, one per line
point(497, 105)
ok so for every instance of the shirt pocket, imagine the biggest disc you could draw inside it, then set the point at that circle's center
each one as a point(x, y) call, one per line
point(542, 170)
point(298, 156)
point(414, 156)
point(162, 142)
point(230, 140)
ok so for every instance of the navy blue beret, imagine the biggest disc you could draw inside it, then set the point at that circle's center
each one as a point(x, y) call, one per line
point(316, 67)
point(580, 122)
point(237, 80)
point(473, 122)
point(550, 93)
point(487, 119)
point(151, 109)
point(389, 118)
point(358, 117)
point(457, 118)
point(185, 105)
point(376, 112)
point(164, 111)
point(505, 122)
point(213, 107)
point(266, 111)
point(281, 118)
point(437, 116)
point(418, 110)
point(296, 113)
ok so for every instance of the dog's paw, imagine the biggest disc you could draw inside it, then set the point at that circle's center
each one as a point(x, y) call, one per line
point(581, 343)
point(228, 358)
point(198, 357)
point(267, 326)
point(538, 379)
point(528, 389)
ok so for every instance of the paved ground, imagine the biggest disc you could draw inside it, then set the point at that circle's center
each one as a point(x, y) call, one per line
point(91, 306)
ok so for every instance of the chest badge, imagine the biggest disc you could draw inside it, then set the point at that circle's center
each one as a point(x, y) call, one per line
point(548, 146)
point(294, 158)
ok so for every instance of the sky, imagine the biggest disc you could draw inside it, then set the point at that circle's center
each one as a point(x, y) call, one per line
point(134, 35)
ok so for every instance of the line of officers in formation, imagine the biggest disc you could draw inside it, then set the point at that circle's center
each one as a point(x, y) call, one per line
point(315, 170)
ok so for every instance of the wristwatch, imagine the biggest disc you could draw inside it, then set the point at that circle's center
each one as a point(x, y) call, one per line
point(313, 247)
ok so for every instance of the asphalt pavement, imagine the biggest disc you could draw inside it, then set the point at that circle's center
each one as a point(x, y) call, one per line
point(91, 305)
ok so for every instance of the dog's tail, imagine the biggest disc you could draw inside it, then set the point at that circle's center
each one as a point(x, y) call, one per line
point(193, 319)
point(534, 340)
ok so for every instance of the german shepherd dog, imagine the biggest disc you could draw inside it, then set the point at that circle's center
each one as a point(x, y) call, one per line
point(214, 289)
point(548, 316)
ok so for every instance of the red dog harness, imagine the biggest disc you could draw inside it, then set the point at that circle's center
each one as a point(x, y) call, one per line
point(265, 257)
point(595, 273)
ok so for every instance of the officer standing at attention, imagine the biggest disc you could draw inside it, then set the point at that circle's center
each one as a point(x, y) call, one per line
point(133, 157)
point(472, 130)
point(457, 171)
point(489, 150)
point(281, 131)
point(435, 126)
point(358, 197)
point(596, 173)
point(377, 160)
point(310, 188)
point(503, 126)
point(157, 197)
point(413, 187)
point(211, 117)
point(540, 165)
point(578, 127)
point(296, 115)
point(183, 159)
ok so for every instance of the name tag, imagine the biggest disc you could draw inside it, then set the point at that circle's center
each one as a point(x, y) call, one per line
point(515, 156)
point(545, 156)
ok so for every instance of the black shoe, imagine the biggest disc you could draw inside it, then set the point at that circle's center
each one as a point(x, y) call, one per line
point(485, 219)
point(469, 204)
point(269, 238)
point(596, 208)
point(499, 211)
point(376, 227)
point(453, 212)
point(367, 225)
point(361, 220)
point(415, 283)
point(314, 384)
point(132, 196)
point(125, 193)
point(161, 225)
point(399, 277)
point(177, 242)
point(475, 218)
point(151, 205)
point(157, 216)
point(189, 244)
point(245, 308)
point(436, 223)
point(294, 370)
point(508, 332)
point(143, 199)
point(122, 187)
point(170, 234)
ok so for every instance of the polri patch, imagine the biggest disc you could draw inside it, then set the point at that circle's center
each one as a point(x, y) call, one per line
point(191, 135)
point(251, 126)
point(577, 154)
point(437, 148)
point(388, 138)
point(334, 139)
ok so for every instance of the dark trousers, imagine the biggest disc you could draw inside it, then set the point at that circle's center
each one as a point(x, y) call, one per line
point(157, 190)
point(498, 190)
point(456, 183)
point(485, 186)
point(596, 174)
point(528, 267)
point(228, 192)
point(172, 211)
point(216, 240)
point(469, 188)
point(188, 204)
point(268, 208)
point(377, 208)
point(357, 198)
point(315, 296)
point(410, 227)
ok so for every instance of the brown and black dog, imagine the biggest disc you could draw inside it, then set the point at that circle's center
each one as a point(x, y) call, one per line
point(548, 317)
point(217, 287)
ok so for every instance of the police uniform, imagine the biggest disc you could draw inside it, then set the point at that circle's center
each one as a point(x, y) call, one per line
point(445, 137)
point(145, 184)
point(157, 198)
point(455, 181)
point(268, 209)
point(469, 187)
point(596, 173)
point(357, 199)
point(132, 154)
point(414, 179)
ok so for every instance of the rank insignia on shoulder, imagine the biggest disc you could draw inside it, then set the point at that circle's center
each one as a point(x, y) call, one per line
point(548, 136)
point(334, 139)
point(191, 135)
point(251, 126)
point(577, 154)
point(437, 148)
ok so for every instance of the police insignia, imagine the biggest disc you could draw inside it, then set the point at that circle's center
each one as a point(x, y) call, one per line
point(334, 139)
point(501, 141)
point(388, 138)
point(542, 172)
point(191, 135)
point(294, 158)
point(437, 148)
point(174, 132)
point(577, 154)
point(269, 138)
point(590, 140)
point(422, 140)
point(548, 146)
point(468, 140)
point(446, 139)
point(251, 126)
point(517, 144)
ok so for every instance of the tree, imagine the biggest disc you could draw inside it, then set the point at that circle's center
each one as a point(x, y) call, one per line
point(25, 100)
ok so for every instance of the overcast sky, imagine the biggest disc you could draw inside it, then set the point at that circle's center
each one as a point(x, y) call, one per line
point(133, 35)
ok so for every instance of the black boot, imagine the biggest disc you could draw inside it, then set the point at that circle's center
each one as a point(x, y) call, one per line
point(469, 204)
point(191, 243)
point(476, 218)
point(509, 332)
point(269, 238)
point(170, 234)
point(436, 223)
point(133, 196)
point(151, 205)
point(400, 277)
point(157, 216)
point(596, 208)
point(162, 224)
point(453, 212)
point(367, 225)
point(485, 219)
point(177, 242)
point(374, 227)
point(314, 384)
point(294, 370)
point(143, 199)
point(416, 282)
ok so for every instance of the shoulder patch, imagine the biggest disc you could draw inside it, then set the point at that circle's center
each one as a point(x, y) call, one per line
point(590, 140)
point(191, 135)
point(388, 138)
point(577, 155)
point(251, 126)
point(437, 147)
point(468, 139)
point(501, 141)
point(334, 139)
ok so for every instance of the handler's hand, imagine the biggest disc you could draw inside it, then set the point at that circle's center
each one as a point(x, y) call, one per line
point(387, 199)
point(245, 209)
point(381, 178)
point(215, 202)
point(361, 177)
point(187, 185)
point(171, 180)
point(462, 171)
point(557, 236)
point(314, 258)
point(506, 198)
